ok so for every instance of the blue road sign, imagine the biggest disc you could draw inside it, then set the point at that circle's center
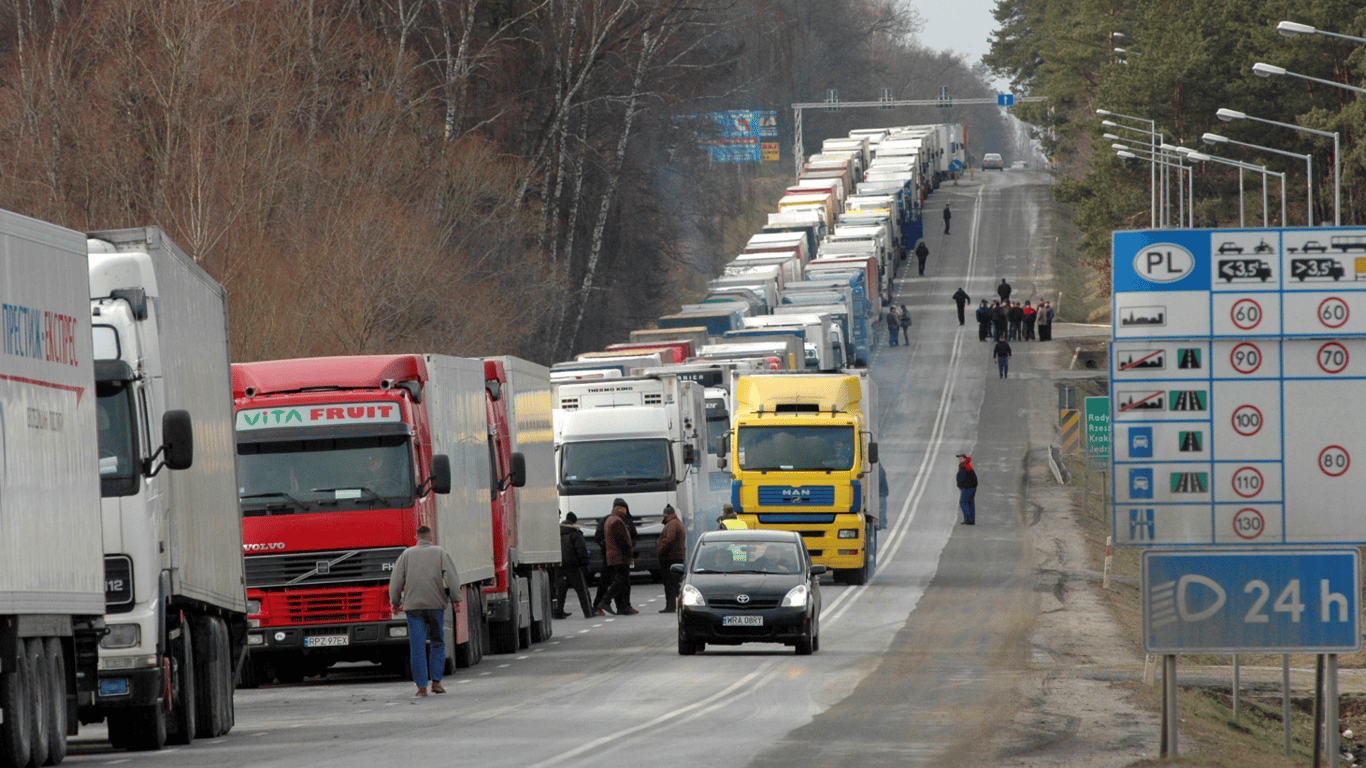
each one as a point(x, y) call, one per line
point(1140, 442)
point(1005, 99)
point(1244, 601)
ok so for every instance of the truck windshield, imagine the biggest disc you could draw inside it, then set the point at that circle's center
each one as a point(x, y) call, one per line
point(615, 462)
point(796, 448)
point(325, 475)
point(118, 439)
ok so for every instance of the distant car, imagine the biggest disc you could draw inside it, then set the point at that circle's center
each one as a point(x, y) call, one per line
point(993, 160)
point(756, 586)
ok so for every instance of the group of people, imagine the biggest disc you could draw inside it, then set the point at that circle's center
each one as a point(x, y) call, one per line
point(616, 537)
point(1006, 320)
point(899, 324)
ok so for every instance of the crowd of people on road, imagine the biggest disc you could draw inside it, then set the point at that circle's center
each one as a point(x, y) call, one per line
point(1010, 321)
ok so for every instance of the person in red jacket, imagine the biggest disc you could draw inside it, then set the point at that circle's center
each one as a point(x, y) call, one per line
point(967, 489)
point(617, 548)
point(672, 546)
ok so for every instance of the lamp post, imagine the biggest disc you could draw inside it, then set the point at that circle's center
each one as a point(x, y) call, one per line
point(1262, 69)
point(1229, 114)
point(1291, 28)
point(1160, 157)
point(1214, 138)
point(1193, 155)
point(1154, 138)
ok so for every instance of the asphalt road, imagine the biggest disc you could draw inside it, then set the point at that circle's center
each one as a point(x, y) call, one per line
point(912, 665)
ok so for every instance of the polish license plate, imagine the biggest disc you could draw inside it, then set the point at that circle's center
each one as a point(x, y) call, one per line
point(324, 641)
point(742, 621)
point(114, 687)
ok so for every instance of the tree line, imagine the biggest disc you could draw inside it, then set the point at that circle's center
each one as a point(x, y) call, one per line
point(1180, 63)
point(462, 176)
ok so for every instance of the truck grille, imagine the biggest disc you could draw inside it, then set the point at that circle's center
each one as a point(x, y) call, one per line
point(315, 569)
point(330, 605)
point(786, 495)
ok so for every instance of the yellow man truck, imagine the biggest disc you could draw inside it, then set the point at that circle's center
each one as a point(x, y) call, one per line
point(803, 457)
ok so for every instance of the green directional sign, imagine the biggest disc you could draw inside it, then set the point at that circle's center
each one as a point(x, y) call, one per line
point(1098, 427)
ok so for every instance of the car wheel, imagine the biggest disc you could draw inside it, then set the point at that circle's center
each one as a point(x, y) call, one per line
point(687, 647)
point(805, 646)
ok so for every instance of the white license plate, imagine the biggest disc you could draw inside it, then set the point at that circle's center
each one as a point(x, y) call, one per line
point(324, 641)
point(742, 621)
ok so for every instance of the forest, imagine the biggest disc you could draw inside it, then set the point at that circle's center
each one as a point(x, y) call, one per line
point(1178, 64)
point(466, 177)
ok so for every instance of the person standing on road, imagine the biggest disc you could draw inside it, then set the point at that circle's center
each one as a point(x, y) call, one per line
point(961, 298)
point(1014, 316)
point(893, 325)
point(983, 321)
point(729, 521)
point(1046, 315)
point(922, 252)
point(1003, 290)
point(1002, 354)
point(947, 216)
point(998, 319)
point(424, 583)
point(618, 546)
point(906, 325)
point(1030, 315)
point(672, 546)
point(573, 558)
point(967, 489)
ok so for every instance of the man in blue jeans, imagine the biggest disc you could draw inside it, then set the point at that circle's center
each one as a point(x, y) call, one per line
point(424, 582)
point(967, 489)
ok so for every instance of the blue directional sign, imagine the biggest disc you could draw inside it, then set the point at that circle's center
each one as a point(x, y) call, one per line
point(1005, 99)
point(1246, 601)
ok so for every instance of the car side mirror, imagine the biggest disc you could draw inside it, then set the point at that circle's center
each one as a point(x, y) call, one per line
point(441, 473)
point(677, 568)
point(177, 439)
point(817, 570)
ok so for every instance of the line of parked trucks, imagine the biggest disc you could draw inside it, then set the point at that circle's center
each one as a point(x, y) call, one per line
point(758, 394)
point(173, 524)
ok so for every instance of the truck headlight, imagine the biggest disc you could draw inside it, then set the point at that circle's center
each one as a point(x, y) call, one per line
point(253, 607)
point(121, 636)
point(692, 596)
point(795, 597)
point(848, 533)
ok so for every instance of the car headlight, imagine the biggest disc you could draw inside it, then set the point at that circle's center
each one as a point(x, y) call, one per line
point(253, 607)
point(796, 597)
point(848, 533)
point(121, 636)
point(692, 596)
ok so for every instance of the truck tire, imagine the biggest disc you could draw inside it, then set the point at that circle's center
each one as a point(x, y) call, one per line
point(504, 636)
point(249, 676)
point(181, 723)
point(16, 731)
point(40, 698)
point(543, 628)
point(471, 652)
point(524, 633)
point(141, 729)
point(211, 701)
point(55, 660)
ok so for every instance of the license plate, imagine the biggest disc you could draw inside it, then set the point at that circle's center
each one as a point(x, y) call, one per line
point(115, 687)
point(324, 641)
point(742, 621)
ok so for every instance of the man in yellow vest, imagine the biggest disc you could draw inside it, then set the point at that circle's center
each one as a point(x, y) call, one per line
point(729, 521)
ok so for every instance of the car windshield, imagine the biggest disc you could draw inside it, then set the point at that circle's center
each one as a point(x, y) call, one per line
point(796, 449)
point(615, 462)
point(747, 557)
point(325, 475)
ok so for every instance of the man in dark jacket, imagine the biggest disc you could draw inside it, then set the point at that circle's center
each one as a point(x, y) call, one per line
point(922, 252)
point(672, 547)
point(1001, 352)
point(961, 298)
point(983, 321)
point(967, 489)
point(573, 558)
point(616, 552)
point(947, 216)
point(1003, 290)
point(1014, 318)
point(998, 319)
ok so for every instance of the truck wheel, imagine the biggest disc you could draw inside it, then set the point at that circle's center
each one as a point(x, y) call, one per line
point(181, 726)
point(15, 730)
point(544, 627)
point(40, 697)
point(504, 636)
point(249, 676)
point(524, 633)
point(210, 710)
point(56, 680)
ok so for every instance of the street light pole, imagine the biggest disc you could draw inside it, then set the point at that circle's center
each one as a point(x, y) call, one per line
point(1214, 138)
point(1160, 157)
point(1153, 139)
point(1291, 28)
point(1230, 114)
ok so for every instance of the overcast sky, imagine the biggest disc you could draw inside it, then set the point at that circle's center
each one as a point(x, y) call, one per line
point(961, 26)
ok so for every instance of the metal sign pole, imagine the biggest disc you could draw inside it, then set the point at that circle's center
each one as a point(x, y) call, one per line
point(1334, 751)
point(1285, 700)
point(1170, 748)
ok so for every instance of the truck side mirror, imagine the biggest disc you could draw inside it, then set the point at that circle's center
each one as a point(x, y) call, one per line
point(177, 439)
point(440, 479)
point(872, 453)
point(518, 474)
point(722, 451)
point(689, 453)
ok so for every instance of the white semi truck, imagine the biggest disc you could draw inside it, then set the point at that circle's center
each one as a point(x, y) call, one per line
point(174, 586)
point(639, 439)
point(51, 569)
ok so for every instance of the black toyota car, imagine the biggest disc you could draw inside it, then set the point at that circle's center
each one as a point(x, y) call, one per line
point(749, 587)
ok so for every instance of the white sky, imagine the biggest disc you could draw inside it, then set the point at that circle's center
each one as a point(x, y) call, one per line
point(961, 26)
